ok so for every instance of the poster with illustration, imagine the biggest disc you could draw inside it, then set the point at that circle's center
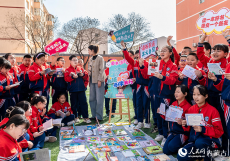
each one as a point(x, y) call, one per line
point(118, 82)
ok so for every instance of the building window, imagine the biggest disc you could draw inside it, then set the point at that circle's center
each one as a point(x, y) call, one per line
point(27, 5)
point(103, 52)
point(202, 14)
point(36, 0)
point(27, 19)
point(32, 10)
point(201, 1)
point(37, 11)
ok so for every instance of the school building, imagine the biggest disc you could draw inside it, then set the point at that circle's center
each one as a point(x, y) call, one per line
point(187, 13)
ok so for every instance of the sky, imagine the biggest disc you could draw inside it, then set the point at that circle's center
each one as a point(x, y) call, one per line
point(161, 14)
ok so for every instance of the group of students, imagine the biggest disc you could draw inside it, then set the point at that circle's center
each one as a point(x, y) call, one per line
point(208, 94)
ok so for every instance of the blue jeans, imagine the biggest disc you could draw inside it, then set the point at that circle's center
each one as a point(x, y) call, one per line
point(39, 141)
point(107, 108)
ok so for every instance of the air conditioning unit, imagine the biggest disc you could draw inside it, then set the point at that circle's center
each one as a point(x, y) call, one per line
point(194, 45)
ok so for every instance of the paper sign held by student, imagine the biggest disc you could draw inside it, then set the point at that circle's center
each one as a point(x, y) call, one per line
point(189, 72)
point(195, 119)
point(58, 45)
point(154, 66)
point(162, 109)
point(122, 34)
point(148, 48)
point(173, 113)
point(214, 22)
point(215, 68)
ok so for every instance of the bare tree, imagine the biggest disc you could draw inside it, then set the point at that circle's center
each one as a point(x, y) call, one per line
point(139, 26)
point(82, 32)
point(36, 32)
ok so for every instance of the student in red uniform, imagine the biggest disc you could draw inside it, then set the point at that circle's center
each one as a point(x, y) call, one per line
point(177, 136)
point(202, 137)
point(36, 137)
point(39, 81)
point(48, 81)
point(24, 68)
point(163, 85)
point(63, 106)
point(38, 112)
point(75, 77)
point(15, 72)
point(192, 61)
point(6, 92)
point(9, 133)
point(58, 83)
point(107, 100)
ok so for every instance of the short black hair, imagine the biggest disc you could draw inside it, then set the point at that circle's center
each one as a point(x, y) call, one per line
point(186, 47)
point(58, 59)
point(6, 64)
point(221, 47)
point(25, 105)
point(137, 52)
point(130, 51)
point(37, 99)
point(183, 56)
point(72, 56)
point(207, 46)
point(61, 94)
point(27, 56)
point(39, 55)
point(193, 54)
point(7, 55)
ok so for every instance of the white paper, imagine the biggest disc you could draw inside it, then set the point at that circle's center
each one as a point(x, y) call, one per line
point(36, 155)
point(128, 153)
point(57, 122)
point(172, 114)
point(162, 109)
point(194, 119)
point(47, 125)
point(16, 84)
point(215, 68)
point(189, 72)
point(153, 67)
point(62, 114)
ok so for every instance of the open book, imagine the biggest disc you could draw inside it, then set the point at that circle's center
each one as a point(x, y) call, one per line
point(15, 85)
point(62, 114)
point(47, 125)
point(48, 70)
point(57, 122)
point(36, 155)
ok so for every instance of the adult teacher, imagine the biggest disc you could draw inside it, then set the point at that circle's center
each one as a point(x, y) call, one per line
point(96, 78)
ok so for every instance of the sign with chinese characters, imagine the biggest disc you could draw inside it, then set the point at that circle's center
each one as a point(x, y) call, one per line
point(214, 22)
point(118, 82)
point(124, 34)
point(58, 45)
point(148, 48)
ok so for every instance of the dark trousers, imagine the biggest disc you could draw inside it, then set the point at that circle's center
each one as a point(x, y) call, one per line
point(143, 104)
point(39, 141)
point(79, 97)
point(4, 104)
point(16, 97)
point(65, 120)
point(55, 94)
point(51, 132)
point(135, 102)
point(154, 110)
point(107, 107)
point(24, 96)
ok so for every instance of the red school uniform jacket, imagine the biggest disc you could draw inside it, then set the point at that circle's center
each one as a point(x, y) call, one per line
point(36, 120)
point(9, 147)
point(23, 72)
point(65, 107)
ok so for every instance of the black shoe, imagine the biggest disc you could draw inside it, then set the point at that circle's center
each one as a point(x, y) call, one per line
point(92, 118)
point(112, 116)
point(154, 130)
point(107, 115)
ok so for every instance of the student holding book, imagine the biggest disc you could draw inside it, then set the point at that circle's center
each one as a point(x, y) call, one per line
point(177, 136)
point(206, 136)
point(9, 133)
point(62, 107)
point(38, 112)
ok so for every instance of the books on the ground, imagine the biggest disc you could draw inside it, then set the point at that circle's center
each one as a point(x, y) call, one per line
point(129, 127)
point(124, 147)
point(147, 143)
point(67, 128)
point(124, 138)
point(143, 158)
point(215, 68)
point(102, 156)
point(107, 132)
point(132, 144)
point(138, 138)
point(121, 123)
point(93, 139)
point(137, 132)
point(101, 149)
point(77, 148)
point(78, 140)
point(111, 156)
point(95, 145)
point(62, 114)
point(128, 153)
point(161, 157)
point(173, 113)
point(66, 132)
point(47, 125)
point(67, 137)
point(91, 127)
point(89, 132)
point(110, 141)
point(57, 122)
point(119, 132)
point(91, 153)
point(116, 148)
point(153, 150)
point(36, 155)
point(136, 152)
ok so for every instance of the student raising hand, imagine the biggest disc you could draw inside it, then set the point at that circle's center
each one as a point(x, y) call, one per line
point(168, 40)
point(226, 34)
point(203, 37)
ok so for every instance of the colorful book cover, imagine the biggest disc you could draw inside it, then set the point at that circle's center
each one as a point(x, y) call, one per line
point(119, 132)
point(124, 147)
point(138, 138)
point(89, 132)
point(102, 156)
point(106, 133)
point(67, 137)
point(132, 144)
point(93, 139)
point(124, 138)
point(78, 140)
point(91, 153)
point(111, 156)
point(128, 154)
point(143, 158)
point(110, 141)
point(162, 157)
point(101, 149)
point(91, 127)
point(147, 143)
point(136, 153)
point(76, 149)
point(121, 123)
point(133, 159)
point(66, 132)
point(137, 132)
point(95, 145)
point(67, 128)
point(116, 148)
point(153, 150)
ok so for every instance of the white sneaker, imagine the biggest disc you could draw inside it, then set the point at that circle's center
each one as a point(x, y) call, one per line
point(70, 123)
point(87, 121)
point(140, 125)
point(62, 124)
point(135, 122)
point(52, 139)
point(163, 142)
point(77, 120)
point(147, 125)
point(46, 139)
point(159, 138)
